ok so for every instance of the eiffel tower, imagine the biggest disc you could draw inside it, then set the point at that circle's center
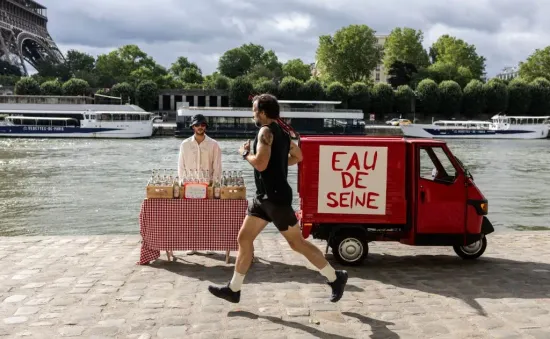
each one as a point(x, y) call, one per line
point(24, 36)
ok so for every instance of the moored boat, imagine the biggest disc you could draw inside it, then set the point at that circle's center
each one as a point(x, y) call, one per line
point(500, 127)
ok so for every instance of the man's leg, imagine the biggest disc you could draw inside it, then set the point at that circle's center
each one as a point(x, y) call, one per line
point(285, 220)
point(252, 226)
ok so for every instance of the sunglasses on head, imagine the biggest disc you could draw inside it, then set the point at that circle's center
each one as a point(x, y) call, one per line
point(200, 125)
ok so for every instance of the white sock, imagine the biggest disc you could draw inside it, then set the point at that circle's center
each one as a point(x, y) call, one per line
point(236, 281)
point(329, 273)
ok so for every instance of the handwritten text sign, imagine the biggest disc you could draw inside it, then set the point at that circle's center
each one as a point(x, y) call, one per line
point(352, 180)
point(195, 191)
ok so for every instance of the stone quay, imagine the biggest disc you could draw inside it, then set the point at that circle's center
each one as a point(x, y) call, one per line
point(91, 287)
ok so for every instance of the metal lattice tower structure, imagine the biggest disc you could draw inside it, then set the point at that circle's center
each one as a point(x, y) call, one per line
point(24, 34)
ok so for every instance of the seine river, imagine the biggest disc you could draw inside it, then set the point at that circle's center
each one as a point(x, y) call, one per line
point(85, 187)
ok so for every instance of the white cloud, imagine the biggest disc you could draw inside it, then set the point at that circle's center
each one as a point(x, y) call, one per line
point(504, 31)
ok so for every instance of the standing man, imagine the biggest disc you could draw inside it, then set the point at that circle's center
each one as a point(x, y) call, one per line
point(273, 151)
point(200, 152)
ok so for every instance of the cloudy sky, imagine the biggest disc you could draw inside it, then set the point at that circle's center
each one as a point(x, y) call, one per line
point(504, 31)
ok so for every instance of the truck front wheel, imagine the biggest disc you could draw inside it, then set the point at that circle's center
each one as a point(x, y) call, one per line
point(350, 250)
point(472, 251)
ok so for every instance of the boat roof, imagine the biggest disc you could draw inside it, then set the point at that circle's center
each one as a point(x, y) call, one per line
point(22, 117)
point(504, 116)
point(68, 108)
point(229, 112)
point(313, 102)
point(463, 121)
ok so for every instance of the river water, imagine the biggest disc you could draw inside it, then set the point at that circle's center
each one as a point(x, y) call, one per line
point(77, 187)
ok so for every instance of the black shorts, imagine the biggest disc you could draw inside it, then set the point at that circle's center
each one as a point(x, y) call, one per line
point(282, 215)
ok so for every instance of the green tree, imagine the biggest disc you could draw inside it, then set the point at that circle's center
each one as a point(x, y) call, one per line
point(427, 93)
point(76, 87)
point(540, 96)
point(290, 88)
point(401, 73)
point(519, 94)
point(349, 56)
point(239, 91)
point(296, 68)
point(234, 63)
point(404, 98)
point(496, 96)
point(313, 90)
point(127, 63)
point(27, 86)
point(450, 95)
point(359, 97)
point(191, 76)
point(337, 92)
point(405, 45)
point(448, 49)
point(147, 95)
point(382, 98)
point(537, 65)
point(78, 61)
point(51, 87)
point(473, 99)
point(123, 90)
point(266, 86)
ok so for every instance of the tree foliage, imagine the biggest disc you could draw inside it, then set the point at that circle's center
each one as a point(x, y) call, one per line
point(450, 96)
point(51, 87)
point(540, 96)
point(296, 68)
point(473, 98)
point(123, 90)
point(359, 96)
point(350, 55)
point(239, 91)
point(76, 87)
point(382, 98)
point(313, 90)
point(519, 97)
point(27, 86)
point(404, 98)
point(290, 88)
point(537, 65)
point(451, 50)
point(496, 96)
point(428, 96)
point(405, 45)
point(147, 94)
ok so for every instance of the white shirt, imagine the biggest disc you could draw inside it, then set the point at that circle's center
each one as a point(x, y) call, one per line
point(201, 157)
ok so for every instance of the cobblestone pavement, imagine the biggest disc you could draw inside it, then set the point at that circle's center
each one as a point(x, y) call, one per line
point(52, 287)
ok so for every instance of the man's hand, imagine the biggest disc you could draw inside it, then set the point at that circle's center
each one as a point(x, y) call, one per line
point(244, 147)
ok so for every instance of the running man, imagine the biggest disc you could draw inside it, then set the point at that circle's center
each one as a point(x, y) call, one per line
point(273, 151)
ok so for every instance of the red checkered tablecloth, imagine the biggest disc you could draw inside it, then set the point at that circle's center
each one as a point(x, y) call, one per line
point(189, 224)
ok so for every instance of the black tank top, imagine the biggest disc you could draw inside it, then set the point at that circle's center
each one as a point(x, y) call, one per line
point(272, 184)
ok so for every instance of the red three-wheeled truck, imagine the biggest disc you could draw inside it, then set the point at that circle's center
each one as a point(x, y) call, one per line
point(358, 189)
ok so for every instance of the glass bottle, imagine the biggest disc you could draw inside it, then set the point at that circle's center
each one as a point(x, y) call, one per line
point(217, 189)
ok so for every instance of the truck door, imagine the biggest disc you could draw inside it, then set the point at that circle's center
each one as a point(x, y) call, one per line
point(441, 196)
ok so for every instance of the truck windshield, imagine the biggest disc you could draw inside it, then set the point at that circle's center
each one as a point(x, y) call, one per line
point(466, 171)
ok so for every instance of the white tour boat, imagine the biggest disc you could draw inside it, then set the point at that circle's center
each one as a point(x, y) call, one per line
point(500, 127)
point(75, 121)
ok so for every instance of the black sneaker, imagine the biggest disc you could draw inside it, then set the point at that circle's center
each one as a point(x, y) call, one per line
point(225, 292)
point(338, 285)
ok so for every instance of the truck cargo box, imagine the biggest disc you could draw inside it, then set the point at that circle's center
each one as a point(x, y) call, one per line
point(353, 179)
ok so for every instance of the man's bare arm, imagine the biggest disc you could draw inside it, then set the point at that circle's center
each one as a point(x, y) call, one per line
point(263, 152)
point(295, 154)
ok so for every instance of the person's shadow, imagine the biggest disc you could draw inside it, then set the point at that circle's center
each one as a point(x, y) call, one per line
point(379, 328)
point(445, 275)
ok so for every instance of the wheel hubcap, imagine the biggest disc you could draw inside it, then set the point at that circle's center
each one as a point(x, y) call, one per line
point(472, 248)
point(350, 249)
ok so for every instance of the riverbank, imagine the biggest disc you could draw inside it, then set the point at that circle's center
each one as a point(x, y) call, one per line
point(89, 286)
point(164, 129)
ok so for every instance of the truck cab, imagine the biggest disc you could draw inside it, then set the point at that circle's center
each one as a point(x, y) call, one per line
point(358, 189)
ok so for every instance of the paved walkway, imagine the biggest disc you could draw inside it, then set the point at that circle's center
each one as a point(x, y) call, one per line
point(90, 287)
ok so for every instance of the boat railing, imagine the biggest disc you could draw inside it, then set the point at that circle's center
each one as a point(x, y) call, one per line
point(283, 109)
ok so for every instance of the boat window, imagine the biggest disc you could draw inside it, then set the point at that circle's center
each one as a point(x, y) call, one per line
point(44, 122)
point(435, 165)
point(58, 122)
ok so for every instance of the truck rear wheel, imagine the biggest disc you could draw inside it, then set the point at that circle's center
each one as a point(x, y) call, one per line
point(350, 249)
point(472, 251)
